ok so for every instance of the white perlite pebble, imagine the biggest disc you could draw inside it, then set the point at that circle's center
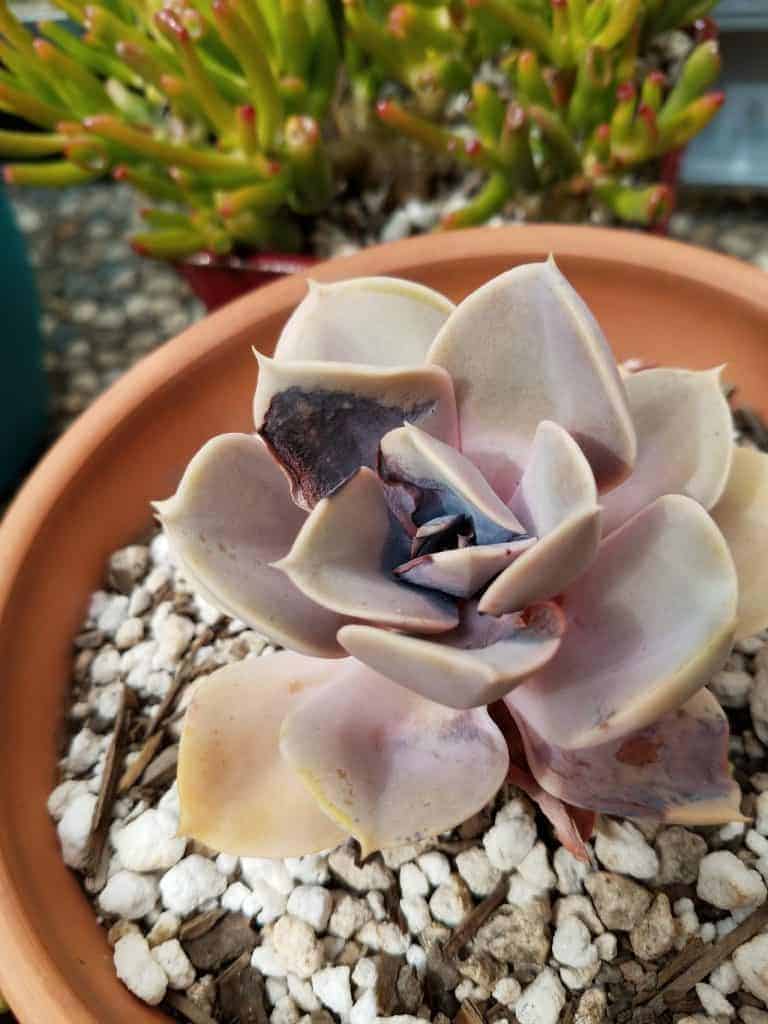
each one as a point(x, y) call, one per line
point(725, 978)
point(366, 1009)
point(175, 963)
point(451, 902)
point(416, 957)
point(476, 869)
point(113, 615)
point(277, 989)
point(507, 991)
point(416, 913)
point(262, 869)
point(227, 864)
point(139, 601)
point(579, 906)
point(365, 973)
point(535, 868)
point(349, 917)
point(149, 843)
point(621, 847)
point(285, 1012)
point(65, 794)
point(74, 829)
point(413, 881)
point(267, 962)
point(165, 927)
point(570, 872)
point(235, 896)
point(383, 937)
point(509, 842)
point(138, 970)
point(435, 866)
point(725, 882)
point(84, 751)
point(370, 877)
point(105, 667)
point(331, 986)
point(264, 903)
point(297, 946)
point(751, 962)
point(173, 634)
point(311, 870)
point(572, 944)
point(761, 814)
point(542, 1001)
point(108, 701)
point(607, 946)
point(714, 1002)
point(375, 901)
point(191, 883)
point(311, 903)
point(128, 895)
point(303, 994)
point(129, 633)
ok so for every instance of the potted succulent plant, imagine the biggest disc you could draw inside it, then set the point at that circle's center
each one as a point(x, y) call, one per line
point(590, 589)
point(246, 121)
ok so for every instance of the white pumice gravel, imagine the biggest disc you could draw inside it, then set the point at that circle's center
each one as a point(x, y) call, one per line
point(340, 941)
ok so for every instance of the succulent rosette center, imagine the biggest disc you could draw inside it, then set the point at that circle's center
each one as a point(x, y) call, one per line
point(489, 555)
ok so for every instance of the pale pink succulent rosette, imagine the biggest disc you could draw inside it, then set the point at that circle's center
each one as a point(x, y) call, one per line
point(444, 508)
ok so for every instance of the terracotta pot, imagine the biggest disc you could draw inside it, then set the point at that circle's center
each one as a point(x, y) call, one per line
point(217, 280)
point(657, 299)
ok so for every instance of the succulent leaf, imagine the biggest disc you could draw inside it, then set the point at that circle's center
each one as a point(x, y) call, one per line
point(234, 786)
point(377, 321)
point(648, 623)
point(674, 770)
point(475, 664)
point(557, 502)
point(544, 358)
point(344, 555)
point(322, 421)
point(374, 756)
point(447, 482)
point(742, 515)
point(462, 571)
point(684, 444)
point(232, 516)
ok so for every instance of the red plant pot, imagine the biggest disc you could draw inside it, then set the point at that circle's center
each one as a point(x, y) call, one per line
point(216, 280)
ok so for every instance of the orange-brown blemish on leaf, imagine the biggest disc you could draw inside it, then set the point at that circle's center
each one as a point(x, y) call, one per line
point(639, 751)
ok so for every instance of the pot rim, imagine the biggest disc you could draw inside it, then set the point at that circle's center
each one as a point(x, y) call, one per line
point(33, 983)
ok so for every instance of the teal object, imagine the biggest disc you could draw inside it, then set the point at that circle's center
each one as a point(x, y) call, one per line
point(23, 390)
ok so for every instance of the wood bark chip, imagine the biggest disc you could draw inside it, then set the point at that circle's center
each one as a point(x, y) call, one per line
point(228, 939)
point(386, 981)
point(135, 769)
point(468, 1014)
point(694, 964)
point(201, 923)
point(161, 770)
point(188, 1009)
point(475, 919)
point(102, 814)
point(241, 993)
point(184, 673)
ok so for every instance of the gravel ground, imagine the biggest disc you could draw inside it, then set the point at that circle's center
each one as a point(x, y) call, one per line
point(492, 922)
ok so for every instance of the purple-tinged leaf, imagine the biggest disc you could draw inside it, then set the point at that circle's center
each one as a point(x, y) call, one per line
point(382, 321)
point(742, 515)
point(684, 441)
point(343, 559)
point(462, 571)
point(389, 766)
point(525, 348)
point(473, 665)
point(675, 770)
point(231, 517)
point(648, 624)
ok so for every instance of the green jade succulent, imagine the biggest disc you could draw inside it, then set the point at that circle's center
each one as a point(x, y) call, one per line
point(581, 110)
point(490, 555)
point(140, 95)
